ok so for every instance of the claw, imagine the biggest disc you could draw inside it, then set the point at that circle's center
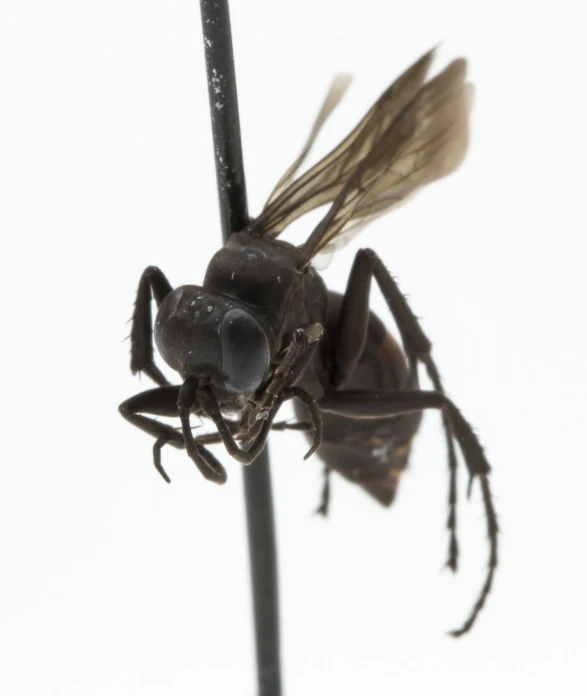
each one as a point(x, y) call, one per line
point(161, 441)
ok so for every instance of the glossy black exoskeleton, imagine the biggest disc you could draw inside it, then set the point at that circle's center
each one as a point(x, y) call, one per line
point(263, 328)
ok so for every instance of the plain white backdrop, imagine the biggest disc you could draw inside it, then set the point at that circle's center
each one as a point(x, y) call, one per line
point(115, 583)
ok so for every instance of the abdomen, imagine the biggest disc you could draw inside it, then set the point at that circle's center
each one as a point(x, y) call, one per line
point(370, 453)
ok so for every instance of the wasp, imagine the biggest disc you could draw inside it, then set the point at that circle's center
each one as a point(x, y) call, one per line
point(263, 329)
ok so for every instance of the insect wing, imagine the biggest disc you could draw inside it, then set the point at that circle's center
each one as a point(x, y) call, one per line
point(325, 180)
point(337, 90)
point(425, 142)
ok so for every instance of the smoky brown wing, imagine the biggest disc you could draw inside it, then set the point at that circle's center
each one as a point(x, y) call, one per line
point(336, 92)
point(325, 180)
point(427, 140)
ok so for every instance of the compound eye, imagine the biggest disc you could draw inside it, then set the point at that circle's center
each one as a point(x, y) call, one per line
point(245, 351)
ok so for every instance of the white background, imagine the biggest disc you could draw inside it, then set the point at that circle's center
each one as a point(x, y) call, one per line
point(113, 582)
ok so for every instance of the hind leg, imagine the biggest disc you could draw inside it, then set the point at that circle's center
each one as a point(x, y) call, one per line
point(351, 336)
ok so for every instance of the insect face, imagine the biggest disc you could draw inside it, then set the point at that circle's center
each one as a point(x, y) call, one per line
point(211, 337)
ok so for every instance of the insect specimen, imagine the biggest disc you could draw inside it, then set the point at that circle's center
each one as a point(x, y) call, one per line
point(263, 328)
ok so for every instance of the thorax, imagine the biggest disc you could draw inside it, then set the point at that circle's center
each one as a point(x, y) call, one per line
point(266, 275)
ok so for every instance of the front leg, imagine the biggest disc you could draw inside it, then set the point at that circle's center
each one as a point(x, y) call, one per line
point(289, 371)
point(153, 283)
point(291, 368)
point(256, 435)
point(187, 402)
point(170, 401)
point(298, 355)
